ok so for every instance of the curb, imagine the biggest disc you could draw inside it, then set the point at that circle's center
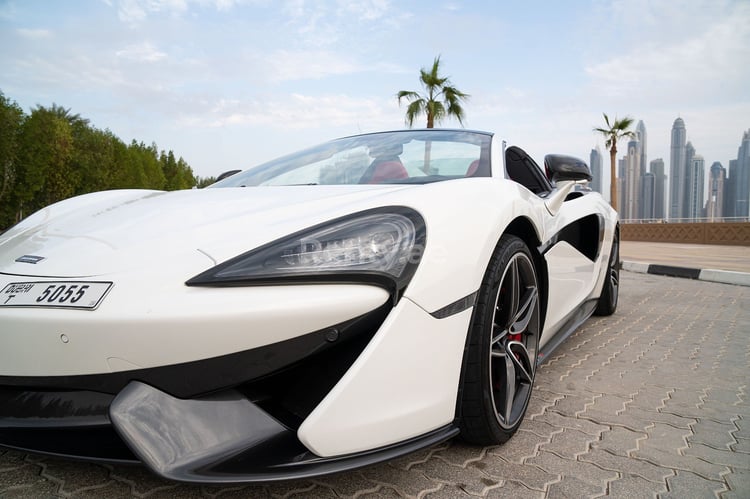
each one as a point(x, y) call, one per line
point(709, 275)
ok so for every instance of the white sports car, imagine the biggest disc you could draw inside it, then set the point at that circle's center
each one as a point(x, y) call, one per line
point(336, 307)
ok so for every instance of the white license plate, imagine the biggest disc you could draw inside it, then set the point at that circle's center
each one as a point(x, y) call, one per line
point(57, 294)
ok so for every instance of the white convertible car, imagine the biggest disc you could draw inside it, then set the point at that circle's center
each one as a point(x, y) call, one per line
point(336, 307)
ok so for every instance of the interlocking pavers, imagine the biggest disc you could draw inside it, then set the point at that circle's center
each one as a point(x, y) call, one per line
point(653, 401)
point(470, 479)
point(627, 466)
point(586, 472)
point(685, 484)
point(619, 441)
point(530, 476)
point(635, 487)
point(569, 443)
point(713, 434)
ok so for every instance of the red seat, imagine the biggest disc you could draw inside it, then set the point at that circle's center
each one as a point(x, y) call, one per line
point(473, 167)
point(388, 170)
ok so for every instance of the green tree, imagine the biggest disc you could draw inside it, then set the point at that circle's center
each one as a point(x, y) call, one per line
point(439, 100)
point(612, 133)
point(11, 123)
point(64, 114)
point(44, 174)
point(201, 182)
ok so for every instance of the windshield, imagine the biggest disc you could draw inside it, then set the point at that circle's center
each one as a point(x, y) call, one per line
point(414, 157)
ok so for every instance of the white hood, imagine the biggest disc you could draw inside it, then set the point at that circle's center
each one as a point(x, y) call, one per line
point(118, 231)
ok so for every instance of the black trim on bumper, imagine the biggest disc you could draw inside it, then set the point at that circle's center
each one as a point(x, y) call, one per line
point(191, 379)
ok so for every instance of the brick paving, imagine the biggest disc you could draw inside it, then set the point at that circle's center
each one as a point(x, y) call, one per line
point(651, 402)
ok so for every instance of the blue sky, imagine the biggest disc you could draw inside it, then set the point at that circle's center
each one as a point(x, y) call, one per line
point(230, 83)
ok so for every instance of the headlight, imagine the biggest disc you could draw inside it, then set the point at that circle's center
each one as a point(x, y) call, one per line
point(382, 246)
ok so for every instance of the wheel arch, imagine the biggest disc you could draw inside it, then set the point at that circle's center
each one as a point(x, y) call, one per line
point(524, 229)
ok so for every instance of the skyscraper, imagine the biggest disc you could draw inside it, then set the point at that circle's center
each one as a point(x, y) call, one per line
point(647, 196)
point(640, 135)
point(660, 180)
point(677, 167)
point(632, 182)
point(620, 186)
point(739, 179)
point(730, 190)
point(695, 185)
point(595, 161)
point(715, 204)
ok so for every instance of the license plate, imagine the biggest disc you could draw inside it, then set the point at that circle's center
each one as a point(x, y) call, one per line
point(56, 294)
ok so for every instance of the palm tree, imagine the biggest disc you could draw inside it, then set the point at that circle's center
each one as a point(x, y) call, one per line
point(613, 133)
point(439, 100)
point(63, 114)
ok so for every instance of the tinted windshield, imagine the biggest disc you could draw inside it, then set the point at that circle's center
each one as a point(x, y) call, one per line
point(378, 158)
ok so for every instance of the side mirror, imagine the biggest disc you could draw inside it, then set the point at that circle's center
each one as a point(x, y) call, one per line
point(227, 174)
point(559, 167)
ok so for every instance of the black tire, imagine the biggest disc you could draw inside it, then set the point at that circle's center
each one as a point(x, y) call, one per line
point(607, 303)
point(502, 345)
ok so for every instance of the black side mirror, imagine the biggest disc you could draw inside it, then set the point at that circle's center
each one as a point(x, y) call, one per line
point(559, 167)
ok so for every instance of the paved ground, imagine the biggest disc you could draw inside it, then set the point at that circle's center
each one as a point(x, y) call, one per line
point(697, 256)
point(652, 401)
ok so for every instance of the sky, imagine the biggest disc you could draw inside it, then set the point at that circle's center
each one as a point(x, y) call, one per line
point(228, 84)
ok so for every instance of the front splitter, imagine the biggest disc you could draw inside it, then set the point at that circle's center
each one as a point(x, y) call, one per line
point(228, 439)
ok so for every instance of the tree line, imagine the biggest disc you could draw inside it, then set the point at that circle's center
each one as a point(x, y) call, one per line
point(51, 154)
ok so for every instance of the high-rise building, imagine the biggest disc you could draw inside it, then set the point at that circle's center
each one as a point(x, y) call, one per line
point(647, 195)
point(730, 191)
point(595, 161)
point(621, 187)
point(715, 203)
point(641, 137)
point(677, 167)
point(660, 181)
point(695, 185)
point(632, 182)
point(739, 179)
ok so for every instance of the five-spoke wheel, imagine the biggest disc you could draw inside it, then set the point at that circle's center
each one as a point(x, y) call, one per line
point(607, 303)
point(502, 346)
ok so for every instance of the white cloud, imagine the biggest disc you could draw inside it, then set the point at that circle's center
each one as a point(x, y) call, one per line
point(709, 61)
point(141, 52)
point(364, 10)
point(298, 111)
point(34, 34)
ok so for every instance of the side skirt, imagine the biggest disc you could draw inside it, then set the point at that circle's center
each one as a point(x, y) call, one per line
point(572, 322)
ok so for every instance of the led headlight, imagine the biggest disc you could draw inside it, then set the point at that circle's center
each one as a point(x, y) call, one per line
point(383, 246)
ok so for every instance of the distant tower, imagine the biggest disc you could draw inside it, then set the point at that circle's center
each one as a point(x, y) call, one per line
point(739, 178)
point(715, 204)
point(660, 180)
point(696, 182)
point(688, 180)
point(640, 135)
point(632, 177)
point(621, 187)
point(677, 167)
point(595, 161)
point(647, 195)
point(730, 190)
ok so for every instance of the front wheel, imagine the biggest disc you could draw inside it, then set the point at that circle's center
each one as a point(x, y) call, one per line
point(607, 303)
point(502, 346)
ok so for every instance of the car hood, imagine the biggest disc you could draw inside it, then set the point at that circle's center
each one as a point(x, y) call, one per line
point(118, 231)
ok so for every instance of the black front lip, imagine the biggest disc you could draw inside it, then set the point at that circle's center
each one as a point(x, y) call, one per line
point(228, 439)
point(223, 438)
